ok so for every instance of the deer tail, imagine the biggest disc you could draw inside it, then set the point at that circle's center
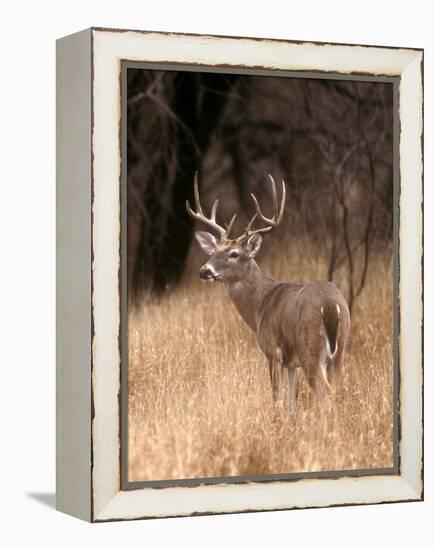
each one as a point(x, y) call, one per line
point(330, 314)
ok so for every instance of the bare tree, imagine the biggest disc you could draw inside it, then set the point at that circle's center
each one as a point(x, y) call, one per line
point(330, 140)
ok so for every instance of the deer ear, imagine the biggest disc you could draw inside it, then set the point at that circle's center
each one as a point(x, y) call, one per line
point(254, 244)
point(207, 242)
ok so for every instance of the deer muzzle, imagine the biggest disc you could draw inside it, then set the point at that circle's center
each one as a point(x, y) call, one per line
point(207, 273)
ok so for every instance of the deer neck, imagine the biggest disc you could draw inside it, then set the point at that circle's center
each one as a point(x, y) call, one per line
point(247, 294)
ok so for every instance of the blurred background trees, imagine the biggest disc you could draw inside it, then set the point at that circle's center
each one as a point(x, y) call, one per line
point(331, 141)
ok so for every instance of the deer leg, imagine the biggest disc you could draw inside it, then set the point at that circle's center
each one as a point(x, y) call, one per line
point(276, 367)
point(314, 364)
point(335, 367)
point(293, 378)
point(321, 389)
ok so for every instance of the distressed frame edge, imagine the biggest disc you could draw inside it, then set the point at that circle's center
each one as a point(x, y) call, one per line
point(411, 161)
point(411, 491)
point(126, 485)
point(73, 293)
point(252, 38)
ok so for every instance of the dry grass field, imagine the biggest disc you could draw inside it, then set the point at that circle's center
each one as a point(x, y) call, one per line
point(200, 402)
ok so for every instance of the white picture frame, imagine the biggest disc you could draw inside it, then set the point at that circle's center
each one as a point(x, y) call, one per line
point(89, 156)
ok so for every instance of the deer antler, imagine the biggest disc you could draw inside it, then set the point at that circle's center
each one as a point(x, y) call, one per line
point(224, 232)
point(273, 222)
point(211, 221)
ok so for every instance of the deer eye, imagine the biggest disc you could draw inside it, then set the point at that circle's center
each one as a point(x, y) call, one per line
point(234, 254)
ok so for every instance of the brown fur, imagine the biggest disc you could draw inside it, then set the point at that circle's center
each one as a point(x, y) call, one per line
point(296, 326)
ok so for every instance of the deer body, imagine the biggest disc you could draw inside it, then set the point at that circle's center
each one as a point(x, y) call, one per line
point(298, 327)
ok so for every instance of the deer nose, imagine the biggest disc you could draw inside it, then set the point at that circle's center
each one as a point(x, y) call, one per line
point(205, 272)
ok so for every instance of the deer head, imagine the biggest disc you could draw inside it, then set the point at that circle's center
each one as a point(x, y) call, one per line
point(230, 256)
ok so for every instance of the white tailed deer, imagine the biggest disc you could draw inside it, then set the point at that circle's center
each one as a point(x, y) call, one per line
point(297, 326)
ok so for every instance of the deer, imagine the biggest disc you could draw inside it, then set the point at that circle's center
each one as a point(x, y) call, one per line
point(299, 327)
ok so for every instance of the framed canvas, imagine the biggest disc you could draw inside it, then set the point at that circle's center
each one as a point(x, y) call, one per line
point(211, 364)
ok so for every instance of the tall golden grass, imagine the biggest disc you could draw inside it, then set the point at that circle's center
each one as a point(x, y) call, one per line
point(199, 400)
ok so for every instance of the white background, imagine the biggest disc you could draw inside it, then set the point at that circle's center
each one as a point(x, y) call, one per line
point(27, 218)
